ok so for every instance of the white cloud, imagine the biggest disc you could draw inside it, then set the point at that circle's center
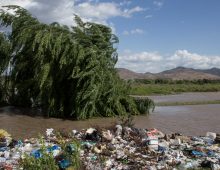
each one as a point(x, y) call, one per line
point(125, 2)
point(158, 4)
point(148, 16)
point(99, 11)
point(134, 31)
point(140, 62)
point(50, 11)
point(62, 10)
point(23, 3)
point(154, 62)
point(129, 12)
point(125, 32)
point(137, 31)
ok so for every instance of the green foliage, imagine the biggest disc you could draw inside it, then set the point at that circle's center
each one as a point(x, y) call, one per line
point(170, 81)
point(5, 52)
point(45, 162)
point(71, 148)
point(127, 121)
point(144, 105)
point(68, 72)
point(151, 89)
point(72, 156)
point(1, 90)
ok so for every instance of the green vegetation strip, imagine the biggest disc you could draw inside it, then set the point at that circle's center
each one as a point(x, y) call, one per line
point(151, 89)
point(188, 103)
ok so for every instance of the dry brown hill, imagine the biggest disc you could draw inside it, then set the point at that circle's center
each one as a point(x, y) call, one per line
point(182, 73)
point(128, 74)
point(214, 71)
point(179, 73)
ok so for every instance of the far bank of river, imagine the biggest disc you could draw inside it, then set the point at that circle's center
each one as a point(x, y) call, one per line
point(186, 97)
point(190, 120)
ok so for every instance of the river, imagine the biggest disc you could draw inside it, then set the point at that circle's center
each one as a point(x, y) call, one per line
point(189, 120)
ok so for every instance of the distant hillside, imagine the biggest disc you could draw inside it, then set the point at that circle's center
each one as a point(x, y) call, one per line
point(182, 73)
point(213, 71)
point(128, 74)
point(179, 73)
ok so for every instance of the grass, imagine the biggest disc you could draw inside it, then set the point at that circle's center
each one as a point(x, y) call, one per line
point(152, 89)
point(188, 103)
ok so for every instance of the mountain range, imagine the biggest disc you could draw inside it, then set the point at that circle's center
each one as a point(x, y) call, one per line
point(178, 73)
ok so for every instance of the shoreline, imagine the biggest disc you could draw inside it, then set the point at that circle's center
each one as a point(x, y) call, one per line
point(122, 147)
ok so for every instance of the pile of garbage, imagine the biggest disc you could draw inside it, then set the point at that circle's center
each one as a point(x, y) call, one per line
point(121, 148)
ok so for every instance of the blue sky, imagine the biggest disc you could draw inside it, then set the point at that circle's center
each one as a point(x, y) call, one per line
point(177, 24)
point(154, 35)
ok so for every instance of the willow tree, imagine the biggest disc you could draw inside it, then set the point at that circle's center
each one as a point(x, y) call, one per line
point(66, 71)
point(5, 52)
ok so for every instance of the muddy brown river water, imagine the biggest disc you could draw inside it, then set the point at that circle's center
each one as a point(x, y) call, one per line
point(186, 97)
point(190, 120)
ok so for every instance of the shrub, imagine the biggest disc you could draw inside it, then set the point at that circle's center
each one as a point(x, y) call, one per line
point(45, 162)
point(69, 157)
point(145, 105)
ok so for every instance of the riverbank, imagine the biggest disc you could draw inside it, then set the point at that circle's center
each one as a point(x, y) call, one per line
point(186, 97)
point(118, 147)
point(192, 98)
point(188, 103)
point(165, 89)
